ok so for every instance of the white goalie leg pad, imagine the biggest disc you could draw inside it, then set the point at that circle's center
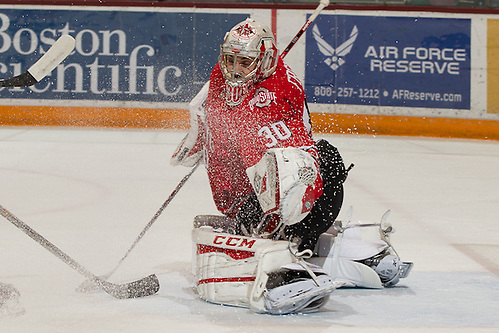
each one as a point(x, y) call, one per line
point(234, 270)
point(370, 244)
point(353, 247)
point(307, 290)
point(301, 294)
point(226, 266)
point(286, 181)
point(339, 263)
point(360, 244)
point(354, 274)
point(190, 150)
point(219, 223)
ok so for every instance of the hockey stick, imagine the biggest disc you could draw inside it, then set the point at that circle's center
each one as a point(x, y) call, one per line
point(53, 57)
point(144, 287)
point(90, 285)
point(323, 4)
point(156, 215)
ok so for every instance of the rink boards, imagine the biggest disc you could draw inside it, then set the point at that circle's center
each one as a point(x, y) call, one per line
point(369, 72)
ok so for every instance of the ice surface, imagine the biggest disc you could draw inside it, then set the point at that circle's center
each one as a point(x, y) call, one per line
point(92, 191)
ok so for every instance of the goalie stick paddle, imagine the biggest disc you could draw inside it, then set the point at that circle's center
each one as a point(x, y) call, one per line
point(53, 57)
point(144, 287)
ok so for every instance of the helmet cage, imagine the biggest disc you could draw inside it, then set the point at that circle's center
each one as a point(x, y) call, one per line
point(235, 64)
point(248, 40)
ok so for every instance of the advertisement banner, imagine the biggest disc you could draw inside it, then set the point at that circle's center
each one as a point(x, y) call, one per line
point(119, 55)
point(389, 61)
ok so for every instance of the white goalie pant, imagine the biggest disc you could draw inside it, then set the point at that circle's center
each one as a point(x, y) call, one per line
point(234, 270)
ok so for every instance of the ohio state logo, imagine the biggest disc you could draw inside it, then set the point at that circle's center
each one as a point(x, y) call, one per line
point(262, 98)
point(245, 31)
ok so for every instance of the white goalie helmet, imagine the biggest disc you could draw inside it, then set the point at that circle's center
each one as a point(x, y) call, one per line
point(248, 55)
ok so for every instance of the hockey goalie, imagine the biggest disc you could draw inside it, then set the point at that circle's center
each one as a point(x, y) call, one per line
point(278, 191)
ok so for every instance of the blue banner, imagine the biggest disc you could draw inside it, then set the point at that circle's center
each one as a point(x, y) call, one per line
point(389, 61)
point(119, 55)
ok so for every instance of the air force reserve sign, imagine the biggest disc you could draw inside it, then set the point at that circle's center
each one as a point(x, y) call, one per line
point(334, 57)
point(389, 61)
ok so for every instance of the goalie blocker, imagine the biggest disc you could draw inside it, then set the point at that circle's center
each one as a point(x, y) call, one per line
point(263, 275)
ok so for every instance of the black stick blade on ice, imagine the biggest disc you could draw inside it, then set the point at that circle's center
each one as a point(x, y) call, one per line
point(46, 64)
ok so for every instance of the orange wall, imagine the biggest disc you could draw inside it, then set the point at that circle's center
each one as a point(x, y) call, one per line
point(179, 120)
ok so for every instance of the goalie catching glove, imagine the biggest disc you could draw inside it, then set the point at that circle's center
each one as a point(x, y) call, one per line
point(286, 182)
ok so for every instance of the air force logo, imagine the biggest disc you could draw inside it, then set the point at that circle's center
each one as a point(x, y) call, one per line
point(334, 57)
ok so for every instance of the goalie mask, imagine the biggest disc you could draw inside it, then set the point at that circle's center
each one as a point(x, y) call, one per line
point(247, 56)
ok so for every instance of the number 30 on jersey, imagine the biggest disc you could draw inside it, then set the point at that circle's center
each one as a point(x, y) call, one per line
point(274, 132)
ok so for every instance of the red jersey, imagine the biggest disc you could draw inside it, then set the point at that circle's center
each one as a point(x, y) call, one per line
point(272, 115)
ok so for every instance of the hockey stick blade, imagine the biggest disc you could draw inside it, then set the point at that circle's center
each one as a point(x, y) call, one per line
point(141, 288)
point(46, 64)
point(144, 287)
